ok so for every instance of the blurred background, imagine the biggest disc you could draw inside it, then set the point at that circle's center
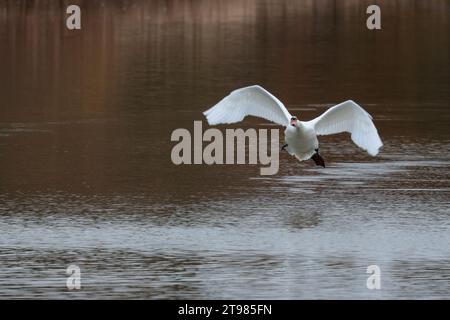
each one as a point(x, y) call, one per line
point(85, 170)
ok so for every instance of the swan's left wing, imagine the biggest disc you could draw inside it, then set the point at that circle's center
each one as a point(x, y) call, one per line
point(349, 117)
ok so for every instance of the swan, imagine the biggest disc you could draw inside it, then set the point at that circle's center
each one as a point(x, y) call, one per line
point(300, 136)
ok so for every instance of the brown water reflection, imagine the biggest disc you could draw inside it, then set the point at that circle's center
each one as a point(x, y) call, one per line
point(85, 170)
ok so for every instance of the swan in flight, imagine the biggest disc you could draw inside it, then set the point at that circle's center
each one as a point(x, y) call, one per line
point(300, 136)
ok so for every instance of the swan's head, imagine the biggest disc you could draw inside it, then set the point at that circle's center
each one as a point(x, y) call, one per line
point(294, 121)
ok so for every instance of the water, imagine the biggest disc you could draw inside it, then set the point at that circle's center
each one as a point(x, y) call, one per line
point(86, 176)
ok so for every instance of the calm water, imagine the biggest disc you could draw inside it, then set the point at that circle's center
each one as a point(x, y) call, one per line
point(86, 176)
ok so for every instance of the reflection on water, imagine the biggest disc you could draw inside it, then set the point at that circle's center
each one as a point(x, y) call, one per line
point(85, 171)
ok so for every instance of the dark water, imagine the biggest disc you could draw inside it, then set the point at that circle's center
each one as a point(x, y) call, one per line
point(86, 176)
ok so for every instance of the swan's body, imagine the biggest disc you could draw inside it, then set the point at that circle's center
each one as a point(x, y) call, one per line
point(300, 136)
point(301, 141)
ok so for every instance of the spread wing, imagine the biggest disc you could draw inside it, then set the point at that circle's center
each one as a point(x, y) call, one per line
point(248, 101)
point(350, 117)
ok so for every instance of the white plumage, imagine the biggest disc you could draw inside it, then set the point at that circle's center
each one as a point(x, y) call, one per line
point(300, 136)
point(349, 117)
point(248, 101)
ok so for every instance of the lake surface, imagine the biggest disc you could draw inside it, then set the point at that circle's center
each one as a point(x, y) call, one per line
point(86, 176)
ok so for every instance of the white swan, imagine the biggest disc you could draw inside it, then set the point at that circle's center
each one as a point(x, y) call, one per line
point(300, 136)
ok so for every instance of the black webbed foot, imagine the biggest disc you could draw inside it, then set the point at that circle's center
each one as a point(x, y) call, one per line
point(318, 159)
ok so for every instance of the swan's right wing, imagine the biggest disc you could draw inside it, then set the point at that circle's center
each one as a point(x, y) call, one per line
point(248, 101)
